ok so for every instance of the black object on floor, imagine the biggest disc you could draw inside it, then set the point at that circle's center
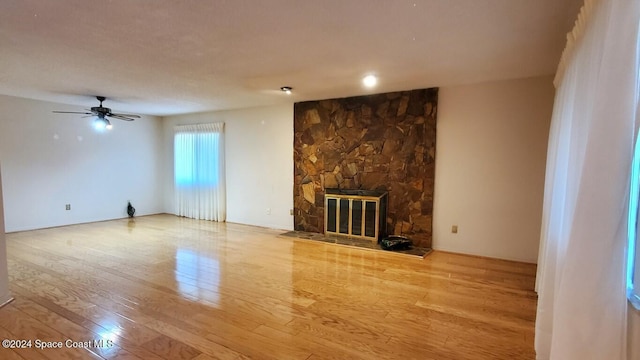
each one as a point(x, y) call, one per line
point(130, 210)
point(396, 242)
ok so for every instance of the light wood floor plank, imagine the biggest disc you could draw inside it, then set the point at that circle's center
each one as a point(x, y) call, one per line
point(164, 287)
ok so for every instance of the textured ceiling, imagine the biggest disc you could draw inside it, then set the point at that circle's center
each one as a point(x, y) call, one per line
point(163, 57)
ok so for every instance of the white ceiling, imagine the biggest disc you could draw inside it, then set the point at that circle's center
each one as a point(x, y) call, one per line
point(163, 57)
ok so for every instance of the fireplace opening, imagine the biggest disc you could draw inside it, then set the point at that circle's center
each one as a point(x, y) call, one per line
point(356, 213)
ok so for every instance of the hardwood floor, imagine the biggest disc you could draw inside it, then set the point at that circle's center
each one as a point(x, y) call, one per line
point(163, 287)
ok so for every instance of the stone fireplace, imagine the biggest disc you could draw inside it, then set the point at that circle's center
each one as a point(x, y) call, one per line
point(383, 142)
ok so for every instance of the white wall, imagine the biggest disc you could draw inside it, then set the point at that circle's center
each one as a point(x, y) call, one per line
point(49, 160)
point(490, 165)
point(259, 163)
point(4, 273)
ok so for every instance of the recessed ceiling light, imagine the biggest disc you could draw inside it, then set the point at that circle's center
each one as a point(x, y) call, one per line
point(370, 80)
point(286, 89)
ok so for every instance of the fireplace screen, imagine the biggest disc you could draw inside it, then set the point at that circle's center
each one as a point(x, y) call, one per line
point(357, 213)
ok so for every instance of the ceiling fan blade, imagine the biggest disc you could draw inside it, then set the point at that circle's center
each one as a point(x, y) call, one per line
point(73, 112)
point(121, 117)
point(125, 115)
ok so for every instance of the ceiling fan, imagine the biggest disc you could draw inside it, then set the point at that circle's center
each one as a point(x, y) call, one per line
point(102, 114)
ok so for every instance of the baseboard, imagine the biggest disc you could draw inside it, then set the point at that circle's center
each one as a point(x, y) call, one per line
point(455, 251)
point(6, 299)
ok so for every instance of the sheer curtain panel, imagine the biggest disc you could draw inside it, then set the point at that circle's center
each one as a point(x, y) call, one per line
point(581, 267)
point(199, 171)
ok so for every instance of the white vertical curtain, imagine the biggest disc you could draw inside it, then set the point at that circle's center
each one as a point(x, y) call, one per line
point(199, 171)
point(581, 267)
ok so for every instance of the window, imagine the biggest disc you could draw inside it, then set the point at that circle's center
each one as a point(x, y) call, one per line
point(199, 171)
point(196, 162)
point(633, 252)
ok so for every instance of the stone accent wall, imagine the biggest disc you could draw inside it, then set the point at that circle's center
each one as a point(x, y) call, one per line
point(377, 142)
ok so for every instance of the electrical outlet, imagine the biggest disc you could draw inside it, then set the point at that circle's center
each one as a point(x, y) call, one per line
point(268, 211)
point(290, 211)
point(454, 229)
point(67, 207)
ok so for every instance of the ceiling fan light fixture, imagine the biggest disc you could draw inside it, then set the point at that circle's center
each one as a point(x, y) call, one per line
point(101, 123)
point(101, 115)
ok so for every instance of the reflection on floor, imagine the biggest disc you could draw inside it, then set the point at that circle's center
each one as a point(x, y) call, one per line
point(351, 241)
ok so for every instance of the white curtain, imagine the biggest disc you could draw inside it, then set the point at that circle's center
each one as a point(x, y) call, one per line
point(199, 171)
point(581, 266)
